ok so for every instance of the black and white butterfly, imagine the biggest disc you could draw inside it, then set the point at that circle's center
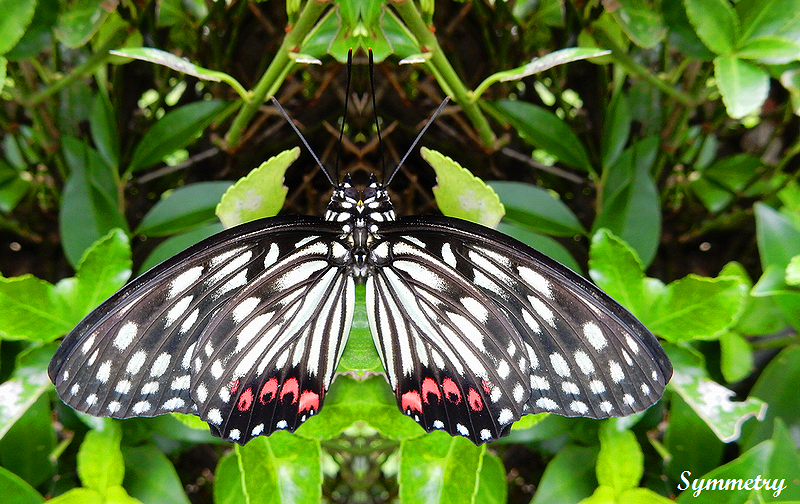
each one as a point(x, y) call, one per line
point(246, 328)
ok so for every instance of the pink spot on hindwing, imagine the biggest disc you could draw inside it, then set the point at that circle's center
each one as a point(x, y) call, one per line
point(271, 388)
point(429, 386)
point(451, 392)
point(245, 400)
point(290, 386)
point(308, 401)
point(411, 400)
point(474, 400)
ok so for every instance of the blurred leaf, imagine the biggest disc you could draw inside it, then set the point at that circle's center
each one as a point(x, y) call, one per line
point(100, 463)
point(89, 203)
point(26, 384)
point(736, 359)
point(104, 130)
point(616, 129)
point(744, 86)
point(281, 468)
point(568, 477)
point(183, 208)
point(778, 238)
point(492, 486)
point(439, 468)
point(26, 447)
point(177, 129)
point(631, 208)
point(360, 355)
point(715, 22)
point(641, 20)
point(546, 131)
point(543, 244)
point(258, 195)
point(17, 15)
point(178, 243)
point(537, 208)
point(692, 444)
point(710, 400)
point(16, 490)
point(776, 386)
point(80, 21)
point(228, 481)
point(681, 33)
point(151, 478)
point(793, 271)
point(768, 18)
point(462, 195)
point(620, 463)
point(769, 50)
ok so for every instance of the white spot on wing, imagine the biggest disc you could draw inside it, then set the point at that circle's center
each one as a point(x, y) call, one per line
point(584, 362)
point(177, 310)
point(87, 345)
point(476, 309)
point(579, 407)
point(125, 335)
point(448, 256)
point(160, 365)
point(416, 241)
point(542, 310)
point(606, 407)
point(536, 281)
point(150, 388)
point(616, 371)
point(594, 335)
point(104, 371)
point(173, 404)
point(505, 416)
point(272, 255)
point(570, 388)
point(136, 362)
point(141, 407)
point(123, 387)
point(184, 280)
point(597, 387)
point(215, 416)
point(546, 403)
point(560, 365)
point(539, 383)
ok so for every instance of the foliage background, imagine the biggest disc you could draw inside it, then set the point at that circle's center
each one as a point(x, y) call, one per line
point(682, 142)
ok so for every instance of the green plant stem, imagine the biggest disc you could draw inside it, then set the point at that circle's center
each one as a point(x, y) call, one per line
point(443, 71)
point(621, 57)
point(276, 72)
point(99, 57)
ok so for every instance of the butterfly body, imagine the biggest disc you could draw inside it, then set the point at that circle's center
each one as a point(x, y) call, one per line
point(246, 328)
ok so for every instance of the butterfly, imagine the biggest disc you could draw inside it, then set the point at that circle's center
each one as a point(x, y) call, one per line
point(246, 328)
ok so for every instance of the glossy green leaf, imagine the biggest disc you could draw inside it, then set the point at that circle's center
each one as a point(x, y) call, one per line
point(460, 194)
point(769, 50)
point(492, 486)
point(17, 15)
point(616, 269)
point(736, 358)
point(80, 22)
point(569, 477)
point(620, 462)
point(260, 194)
point(546, 131)
point(777, 237)
point(103, 269)
point(360, 355)
point(438, 468)
point(682, 35)
point(100, 462)
point(183, 209)
point(151, 477)
point(769, 18)
point(89, 202)
point(543, 244)
point(23, 388)
point(178, 243)
point(715, 22)
point(692, 444)
point(228, 481)
point(26, 448)
point(537, 208)
point(177, 129)
point(32, 310)
point(16, 490)
point(744, 86)
point(710, 400)
point(280, 469)
point(631, 207)
point(777, 386)
point(641, 21)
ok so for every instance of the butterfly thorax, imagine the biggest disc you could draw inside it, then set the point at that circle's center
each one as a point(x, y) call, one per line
point(360, 214)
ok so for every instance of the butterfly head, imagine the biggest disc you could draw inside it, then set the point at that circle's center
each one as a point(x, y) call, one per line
point(366, 208)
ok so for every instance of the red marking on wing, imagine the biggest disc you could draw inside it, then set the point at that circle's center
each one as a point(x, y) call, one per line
point(290, 386)
point(308, 401)
point(474, 400)
point(429, 386)
point(486, 385)
point(234, 386)
point(451, 389)
point(411, 400)
point(271, 388)
point(245, 400)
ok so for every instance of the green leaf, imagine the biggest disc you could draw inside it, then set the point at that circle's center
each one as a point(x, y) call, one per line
point(777, 237)
point(26, 384)
point(260, 194)
point(620, 463)
point(438, 468)
point(569, 477)
point(776, 386)
point(690, 441)
point(641, 20)
point(681, 33)
point(100, 462)
point(462, 195)
point(546, 131)
point(183, 209)
point(177, 129)
point(616, 269)
point(281, 468)
point(103, 270)
point(710, 400)
point(17, 15)
point(89, 202)
point(631, 208)
point(80, 22)
point(360, 355)
point(228, 481)
point(537, 208)
point(715, 22)
point(697, 307)
point(616, 129)
point(543, 244)
point(492, 486)
point(793, 271)
point(178, 243)
point(769, 18)
point(775, 50)
point(151, 478)
point(744, 87)
point(26, 447)
point(16, 490)
point(736, 358)
point(103, 127)
point(32, 310)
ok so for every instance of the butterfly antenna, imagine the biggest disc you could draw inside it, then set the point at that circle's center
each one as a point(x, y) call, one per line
point(302, 139)
point(375, 111)
point(416, 140)
point(344, 116)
